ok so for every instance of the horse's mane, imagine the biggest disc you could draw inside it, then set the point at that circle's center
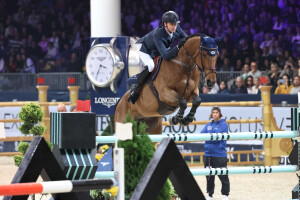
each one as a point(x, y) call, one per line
point(193, 35)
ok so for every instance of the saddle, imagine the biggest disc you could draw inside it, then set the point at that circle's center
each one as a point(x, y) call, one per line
point(157, 62)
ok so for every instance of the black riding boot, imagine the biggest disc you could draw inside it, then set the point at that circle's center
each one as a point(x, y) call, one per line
point(135, 89)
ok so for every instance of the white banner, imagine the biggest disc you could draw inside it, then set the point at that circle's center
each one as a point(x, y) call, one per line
point(12, 129)
point(282, 116)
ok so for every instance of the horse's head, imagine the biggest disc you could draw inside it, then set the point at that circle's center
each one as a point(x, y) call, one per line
point(208, 54)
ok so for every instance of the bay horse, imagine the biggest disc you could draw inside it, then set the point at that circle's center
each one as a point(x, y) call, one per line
point(176, 84)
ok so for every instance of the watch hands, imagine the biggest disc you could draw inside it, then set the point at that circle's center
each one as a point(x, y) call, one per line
point(98, 72)
point(103, 66)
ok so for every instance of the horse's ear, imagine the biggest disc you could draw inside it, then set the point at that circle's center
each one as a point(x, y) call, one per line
point(218, 40)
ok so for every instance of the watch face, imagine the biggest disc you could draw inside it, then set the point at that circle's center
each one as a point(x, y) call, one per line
point(99, 65)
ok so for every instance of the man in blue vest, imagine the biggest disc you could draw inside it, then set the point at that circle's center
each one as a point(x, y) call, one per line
point(156, 43)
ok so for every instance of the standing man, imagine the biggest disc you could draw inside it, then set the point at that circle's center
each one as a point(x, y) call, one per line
point(157, 43)
point(215, 153)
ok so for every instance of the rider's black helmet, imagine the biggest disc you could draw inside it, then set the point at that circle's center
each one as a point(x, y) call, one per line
point(170, 17)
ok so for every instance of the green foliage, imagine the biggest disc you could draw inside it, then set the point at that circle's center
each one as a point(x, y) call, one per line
point(31, 113)
point(109, 130)
point(50, 145)
point(96, 194)
point(25, 128)
point(37, 130)
point(22, 147)
point(138, 153)
point(172, 189)
point(18, 159)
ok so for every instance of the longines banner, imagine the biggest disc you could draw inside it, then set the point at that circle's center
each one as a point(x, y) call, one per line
point(282, 117)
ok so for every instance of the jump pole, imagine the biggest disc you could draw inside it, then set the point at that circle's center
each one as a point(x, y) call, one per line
point(226, 171)
point(55, 187)
point(211, 136)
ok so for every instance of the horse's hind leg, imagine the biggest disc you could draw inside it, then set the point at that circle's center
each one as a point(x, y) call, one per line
point(190, 117)
point(179, 116)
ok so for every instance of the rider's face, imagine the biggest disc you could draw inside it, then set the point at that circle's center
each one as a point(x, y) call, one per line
point(170, 27)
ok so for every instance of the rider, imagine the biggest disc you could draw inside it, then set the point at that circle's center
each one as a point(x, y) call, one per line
point(156, 43)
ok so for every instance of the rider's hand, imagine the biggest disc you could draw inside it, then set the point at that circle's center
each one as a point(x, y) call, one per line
point(181, 43)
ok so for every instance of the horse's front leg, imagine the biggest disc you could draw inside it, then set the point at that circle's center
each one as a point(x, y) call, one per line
point(190, 117)
point(179, 116)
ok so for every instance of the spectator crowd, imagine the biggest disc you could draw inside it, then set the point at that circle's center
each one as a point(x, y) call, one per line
point(261, 37)
point(43, 35)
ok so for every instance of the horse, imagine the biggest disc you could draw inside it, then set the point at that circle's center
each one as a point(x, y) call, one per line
point(176, 83)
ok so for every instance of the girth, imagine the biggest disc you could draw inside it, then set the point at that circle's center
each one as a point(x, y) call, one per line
point(163, 108)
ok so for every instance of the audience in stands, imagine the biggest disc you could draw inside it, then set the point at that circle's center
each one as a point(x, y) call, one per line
point(249, 84)
point(239, 87)
point(255, 72)
point(284, 85)
point(37, 36)
point(256, 85)
point(296, 87)
point(223, 88)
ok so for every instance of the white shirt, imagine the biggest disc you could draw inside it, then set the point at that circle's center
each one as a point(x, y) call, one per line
point(254, 89)
point(295, 90)
point(257, 73)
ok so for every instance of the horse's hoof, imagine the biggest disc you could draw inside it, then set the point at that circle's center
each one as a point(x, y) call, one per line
point(172, 121)
point(186, 121)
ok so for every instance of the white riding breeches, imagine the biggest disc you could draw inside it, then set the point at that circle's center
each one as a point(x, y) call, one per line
point(146, 60)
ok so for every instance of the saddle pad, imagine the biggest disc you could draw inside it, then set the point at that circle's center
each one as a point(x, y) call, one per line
point(157, 62)
point(133, 79)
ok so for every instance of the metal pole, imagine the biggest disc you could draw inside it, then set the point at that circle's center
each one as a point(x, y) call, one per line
point(226, 171)
point(211, 136)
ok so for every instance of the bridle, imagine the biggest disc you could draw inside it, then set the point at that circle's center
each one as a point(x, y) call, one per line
point(191, 67)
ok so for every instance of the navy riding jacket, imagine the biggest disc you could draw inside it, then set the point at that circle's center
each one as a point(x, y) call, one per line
point(158, 42)
point(215, 148)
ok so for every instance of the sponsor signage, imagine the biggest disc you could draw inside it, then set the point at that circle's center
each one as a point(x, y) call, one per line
point(281, 114)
